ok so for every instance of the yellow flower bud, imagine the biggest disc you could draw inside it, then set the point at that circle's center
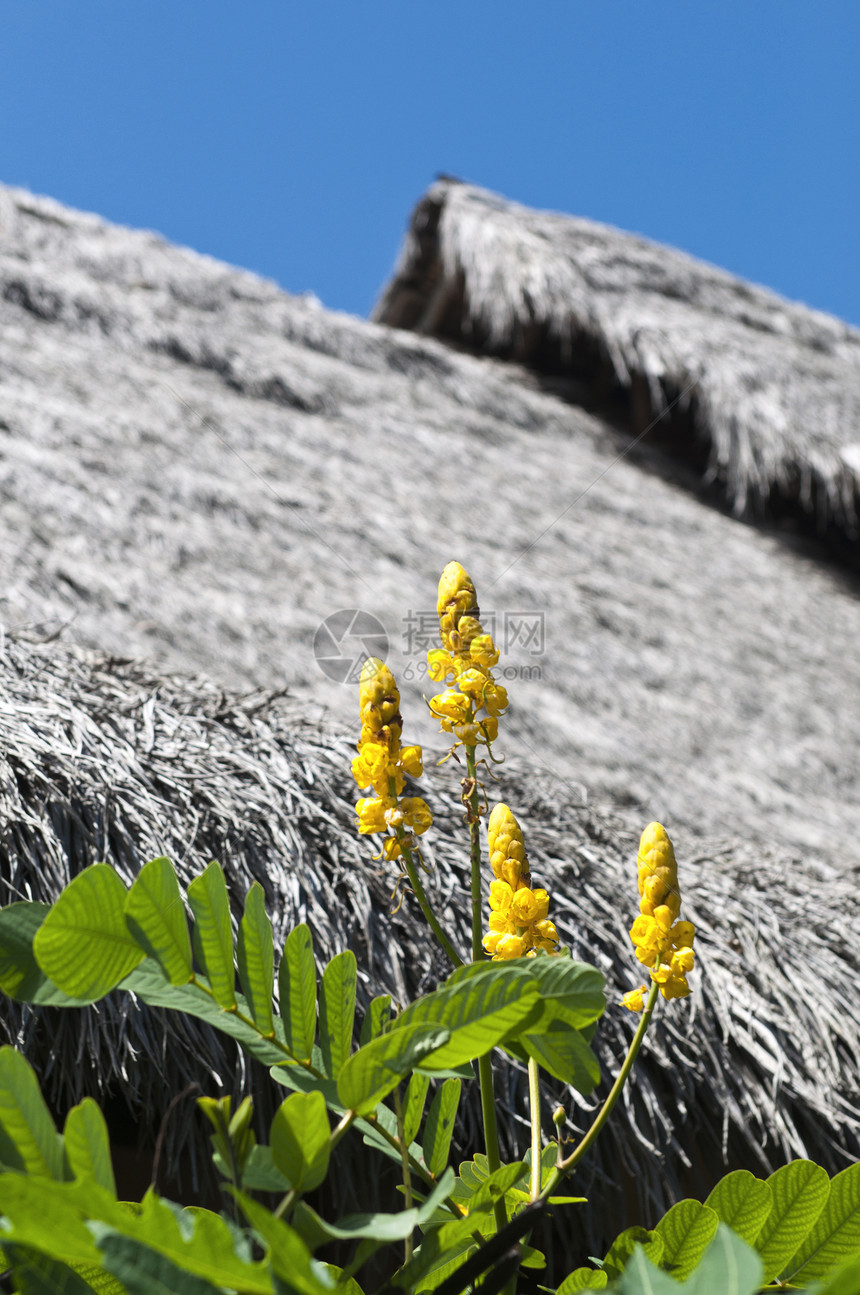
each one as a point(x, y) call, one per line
point(682, 935)
point(501, 896)
point(545, 930)
point(541, 899)
point(491, 940)
point(512, 872)
point(664, 917)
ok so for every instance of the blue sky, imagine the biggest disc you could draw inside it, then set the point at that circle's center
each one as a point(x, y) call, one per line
point(294, 138)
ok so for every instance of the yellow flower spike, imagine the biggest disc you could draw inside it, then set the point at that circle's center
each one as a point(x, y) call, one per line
point(383, 765)
point(518, 913)
point(662, 942)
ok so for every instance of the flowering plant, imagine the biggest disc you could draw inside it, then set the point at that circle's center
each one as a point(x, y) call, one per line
point(517, 991)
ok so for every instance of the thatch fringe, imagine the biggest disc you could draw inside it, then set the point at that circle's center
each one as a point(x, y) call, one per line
point(104, 759)
point(771, 389)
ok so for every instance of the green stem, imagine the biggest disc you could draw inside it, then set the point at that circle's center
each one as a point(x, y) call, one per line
point(565, 1166)
point(420, 895)
point(485, 1065)
point(474, 805)
point(404, 1160)
point(534, 1103)
point(286, 1203)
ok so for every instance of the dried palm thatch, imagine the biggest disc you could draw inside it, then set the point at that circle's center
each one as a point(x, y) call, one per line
point(103, 758)
point(197, 468)
point(771, 390)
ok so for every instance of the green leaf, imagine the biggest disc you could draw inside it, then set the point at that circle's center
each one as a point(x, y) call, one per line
point(21, 977)
point(155, 916)
point(497, 1184)
point(583, 1279)
point(845, 1281)
point(256, 958)
point(197, 1241)
point(83, 944)
point(480, 1011)
point(260, 1173)
point(300, 1140)
point(297, 992)
point(87, 1144)
point(213, 933)
point(729, 1266)
point(49, 1216)
point(569, 991)
point(835, 1237)
point(743, 1202)
point(150, 985)
point(288, 1255)
point(371, 1073)
point(376, 1018)
point(413, 1105)
point(562, 1051)
point(799, 1192)
point(640, 1277)
point(29, 1142)
point(440, 1126)
point(345, 1285)
point(39, 1274)
point(145, 1272)
point(687, 1230)
point(619, 1253)
point(337, 1011)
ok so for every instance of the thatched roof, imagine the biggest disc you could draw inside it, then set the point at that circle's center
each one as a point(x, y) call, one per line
point(771, 389)
point(197, 468)
point(104, 759)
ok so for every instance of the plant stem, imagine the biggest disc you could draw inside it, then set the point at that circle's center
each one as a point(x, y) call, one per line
point(485, 1065)
point(534, 1103)
point(404, 1160)
point(474, 805)
point(565, 1166)
point(424, 904)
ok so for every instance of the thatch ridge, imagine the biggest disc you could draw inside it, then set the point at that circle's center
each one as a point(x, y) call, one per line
point(102, 758)
point(770, 389)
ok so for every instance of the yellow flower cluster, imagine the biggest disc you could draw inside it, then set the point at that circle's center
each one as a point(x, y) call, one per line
point(662, 942)
point(465, 659)
point(518, 914)
point(382, 763)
